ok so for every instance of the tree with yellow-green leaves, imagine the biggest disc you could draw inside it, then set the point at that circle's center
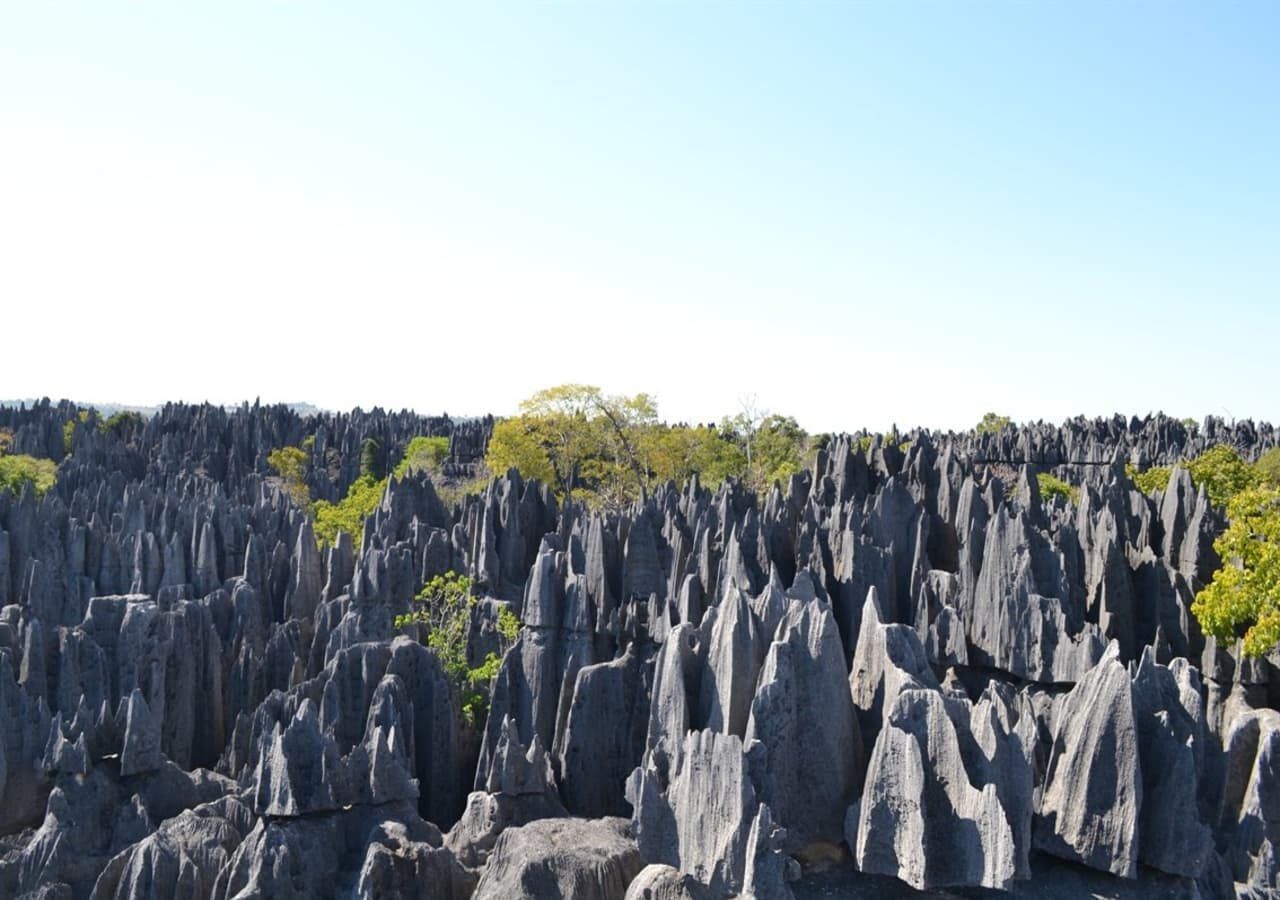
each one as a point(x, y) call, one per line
point(609, 450)
point(17, 470)
point(290, 464)
point(581, 441)
point(1244, 595)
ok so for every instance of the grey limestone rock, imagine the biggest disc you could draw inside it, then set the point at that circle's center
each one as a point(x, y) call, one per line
point(182, 858)
point(575, 859)
point(1002, 732)
point(735, 652)
point(519, 788)
point(1249, 825)
point(659, 882)
point(1020, 619)
point(1093, 786)
point(141, 751)
point(605, 732)
point(398, 865)
point(1171, 737)
point(918, 797)
point(288, 859)
point(379, 769)
point(700, 819)
point(300, 770)
point(888, 659)
point(812, 760)
point(768, 868)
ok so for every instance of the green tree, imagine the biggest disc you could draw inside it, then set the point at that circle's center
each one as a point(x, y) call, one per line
point(780, 449)
point(583, 442)
point(120, 424)
point(372, 462)
point(1268, 467)
point(676, 452)
point(17, 470)
point(69, 430)
point(1244, 595)
point(1222, 473)
point(519, 443)
point(349, 513)
point(423, 454)
point(1154, 479)
point(444, 608)
point(992, 423)
point(290, 464)
point(610, 449)
point(1051, 486)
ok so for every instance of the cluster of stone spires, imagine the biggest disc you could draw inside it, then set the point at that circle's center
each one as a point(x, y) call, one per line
point(909, 657)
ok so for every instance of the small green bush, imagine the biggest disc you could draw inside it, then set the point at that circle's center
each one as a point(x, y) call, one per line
point(291, 464)
point(69, 430)
point(508, 625)
point(349, 513)
point(992, 423)
point(1154, 479)
point(1244, 595)
point(1051, 486)
point(444, 608)
point(15, 471)
point(372, 462)
point(1222, 473)
point(423, 454)
point(118, 424)
point(1267, 467)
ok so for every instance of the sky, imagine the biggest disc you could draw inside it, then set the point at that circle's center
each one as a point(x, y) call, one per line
point(858, 214)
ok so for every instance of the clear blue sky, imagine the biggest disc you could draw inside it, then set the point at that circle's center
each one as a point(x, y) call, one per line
point(861, 213)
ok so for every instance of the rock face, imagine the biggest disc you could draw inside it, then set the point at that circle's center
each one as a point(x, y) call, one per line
point(918, 798)
point(1093, 784)
point(905, 655)
point(802, 720)
point(570, 858)
point(700, 820)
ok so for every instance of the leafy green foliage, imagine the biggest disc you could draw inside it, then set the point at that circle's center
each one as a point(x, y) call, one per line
point(519, 443)
point(17, 470)
point(992, 423)
point(423, 454)
point(1222, 473)
point(1154, 479)
point(582, 442)
point(1245, 592)
point(69, 430)
point(372, 461)
point(6, 440)
point(290, 464)
point(676, 452)
point(1267, 467)
point(608, 450)
point(452, 494)
point(508, 625)
point(780, 445)
point(349, 513)
point(1051, 486)
point(443, 607)
point(121, 423)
